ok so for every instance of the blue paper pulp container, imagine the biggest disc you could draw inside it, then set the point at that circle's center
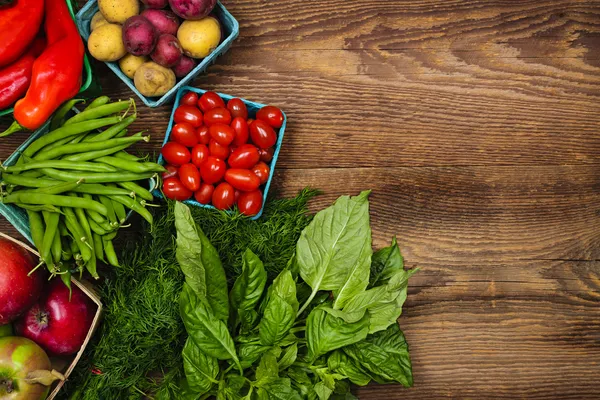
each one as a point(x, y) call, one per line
point(252, 109)
point(229, 26)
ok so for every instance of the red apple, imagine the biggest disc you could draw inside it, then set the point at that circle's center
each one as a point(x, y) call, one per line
point(18, 291)
point(56, 323)
point(25, 370)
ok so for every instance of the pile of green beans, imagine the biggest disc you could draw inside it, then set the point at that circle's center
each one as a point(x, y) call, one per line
point(77, 183)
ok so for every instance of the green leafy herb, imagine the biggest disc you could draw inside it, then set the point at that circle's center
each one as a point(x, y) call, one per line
point(248, 289)
point(200, 369)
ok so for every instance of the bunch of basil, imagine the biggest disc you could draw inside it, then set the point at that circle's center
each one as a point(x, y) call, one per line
point(328, 319)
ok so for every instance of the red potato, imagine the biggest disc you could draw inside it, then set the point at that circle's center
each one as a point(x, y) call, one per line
point(168, 51)
point(164, 21)
point(192, 9)
point(184, 66)
point(155, 3)
point(139, 36)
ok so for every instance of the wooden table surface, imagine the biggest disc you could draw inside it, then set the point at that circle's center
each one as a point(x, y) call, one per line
point(475, 122)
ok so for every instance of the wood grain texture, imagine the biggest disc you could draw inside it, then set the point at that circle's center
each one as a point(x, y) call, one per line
point(475, 123)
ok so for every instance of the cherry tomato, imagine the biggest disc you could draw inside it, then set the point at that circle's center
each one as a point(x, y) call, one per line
point(240, 126)
point(261, 170)
point(242, 179)
point(171, 171)
point(223, 197)
point(212, 170)
point(266, 155)
point(223, 134)
point(215, 149)
point(176, 153)
point(185, 134)
point(199, 154)
point(246, 156)
point(262, 134)
point(217, 116)
point(250, 203)
point(236, 194)
point(204, 194)
point(203, 134)
point(190, 176)
point(174, 189)
point(271, 115)
point(210, 100)
point(237, 108)
point(190, 99)
point(188, 114)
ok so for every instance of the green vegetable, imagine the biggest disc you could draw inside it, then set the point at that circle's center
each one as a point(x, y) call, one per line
point(247, 289)
point(201, 370)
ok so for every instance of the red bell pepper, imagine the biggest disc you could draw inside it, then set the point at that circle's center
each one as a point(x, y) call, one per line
point(19, 24)
point(15, 78)
point(56, 75)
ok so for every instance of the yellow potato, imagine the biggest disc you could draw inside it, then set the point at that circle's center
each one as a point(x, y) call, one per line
point(106, 43)
point(97, 20)
point(117, 11)
point(152, 79)
point(130, 63)
point(199, 38)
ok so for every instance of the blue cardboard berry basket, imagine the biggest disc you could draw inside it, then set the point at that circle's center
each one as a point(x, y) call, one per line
point(229, 26)
point(17, 216)
point(252, 110)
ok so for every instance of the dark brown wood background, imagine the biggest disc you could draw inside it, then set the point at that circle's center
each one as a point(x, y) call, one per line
point(476, 124)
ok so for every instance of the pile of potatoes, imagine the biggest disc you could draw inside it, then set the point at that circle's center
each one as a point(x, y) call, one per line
point(154, 47)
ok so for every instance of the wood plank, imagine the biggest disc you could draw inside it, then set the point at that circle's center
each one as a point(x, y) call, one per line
point(448, 214)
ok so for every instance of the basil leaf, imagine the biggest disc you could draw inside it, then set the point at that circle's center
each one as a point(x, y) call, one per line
point(339, 362)
point(325, 332)
point(385, 355)
point(200, 262)
point(388, 309)
point(250, 284)
point(285, 287)
point(208, 332)
point(289, 356)
point(200, 369)
point(278, 389)
point(323, 391)
point(268, 367)
point(385, 263)
point(334, 251)
point(250, 353)
point(278, 319)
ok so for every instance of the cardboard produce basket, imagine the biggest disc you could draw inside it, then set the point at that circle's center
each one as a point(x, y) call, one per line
point(59, 363)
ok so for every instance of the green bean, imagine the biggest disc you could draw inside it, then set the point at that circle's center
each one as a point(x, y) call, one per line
point(56, 200)
point(51, 220)
point(72, 223)
point(56, 189)
point(56, 248)
point(38, 208)
point(135, 206)
point(110, 236)
point(80, 148)
point(113, 130)
point(119, 208)
point(61, 164)
point(57, 144)
point(36, 227)
point(99, 112)
point(112, 217)
point(68, 131)
point(121, 134)
point(83, 221)
point(96, 177)
point(109, 251)
point(60, 114)
point(97, 229)
point(100, 101)
point(130, 165)
point(99, 219)
point(79, 138)
point(65, 277)
point(98, 247)
point(73, 246)
point(62, 229)
point(91, 188)
point(140, 191)
point(92, 155)
point(67, 253)
point(31, 174)
point(126, 156)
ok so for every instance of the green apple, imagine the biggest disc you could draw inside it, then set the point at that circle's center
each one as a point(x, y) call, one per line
point(25, 370)
point(6, 330)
